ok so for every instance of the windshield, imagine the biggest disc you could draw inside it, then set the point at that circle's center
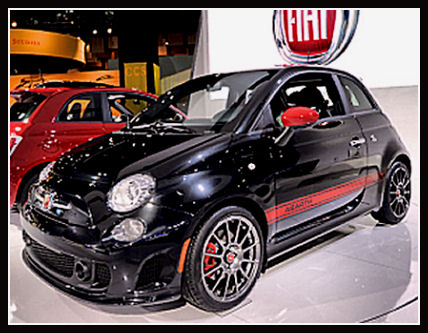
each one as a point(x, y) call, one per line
point(23, 105)
point(205, 103)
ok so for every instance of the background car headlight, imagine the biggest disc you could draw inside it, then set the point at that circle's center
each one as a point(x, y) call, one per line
point(130, 193)
point(45, 171)
point(129, 230)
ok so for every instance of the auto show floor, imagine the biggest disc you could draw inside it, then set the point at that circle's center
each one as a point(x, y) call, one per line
point(361, 272)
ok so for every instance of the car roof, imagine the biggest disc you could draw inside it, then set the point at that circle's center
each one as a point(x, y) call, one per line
point(42, 91)
point(305, 67)
point(74, 91)
point(285, 68)
point(72, 84)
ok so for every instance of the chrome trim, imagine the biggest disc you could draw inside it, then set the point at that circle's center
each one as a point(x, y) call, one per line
point(357, 142)
point(41, 193)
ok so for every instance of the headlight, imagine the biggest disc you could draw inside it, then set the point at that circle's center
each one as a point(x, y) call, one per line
point(45, 172)
point(130, 193)
point(129, 230)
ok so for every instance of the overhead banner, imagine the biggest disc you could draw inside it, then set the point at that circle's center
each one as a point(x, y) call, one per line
point(313, 36)
point(44, 43)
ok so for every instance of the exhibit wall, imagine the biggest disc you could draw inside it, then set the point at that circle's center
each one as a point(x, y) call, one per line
point(384, 51)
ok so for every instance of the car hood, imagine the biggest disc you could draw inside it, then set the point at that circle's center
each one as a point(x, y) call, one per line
point(119, 154)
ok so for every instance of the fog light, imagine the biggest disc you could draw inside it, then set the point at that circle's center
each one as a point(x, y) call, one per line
point(129, 230)
point(82, 270)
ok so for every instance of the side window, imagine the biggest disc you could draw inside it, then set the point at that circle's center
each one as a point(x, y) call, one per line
point(82, 108)
point(122, 105)
point(314, 90)
point(358, 101)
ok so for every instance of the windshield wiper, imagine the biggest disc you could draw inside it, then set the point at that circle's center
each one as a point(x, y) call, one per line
point(168, 127)
point(158, 127)
point(141, 128)
point(177, 129)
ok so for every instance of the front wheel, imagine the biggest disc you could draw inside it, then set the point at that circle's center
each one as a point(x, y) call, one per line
point(224, 260)
point(396, 198)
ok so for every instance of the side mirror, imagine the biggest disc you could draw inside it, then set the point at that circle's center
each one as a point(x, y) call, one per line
point(295, 116)
point(298, 116)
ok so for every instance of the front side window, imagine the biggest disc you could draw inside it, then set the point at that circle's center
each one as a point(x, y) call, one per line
point(82, 108)
point(314, 90)
point(357, 99)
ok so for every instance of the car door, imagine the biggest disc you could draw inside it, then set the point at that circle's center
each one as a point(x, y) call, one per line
point(80, 119)
point(322, 166)
point(123, 105)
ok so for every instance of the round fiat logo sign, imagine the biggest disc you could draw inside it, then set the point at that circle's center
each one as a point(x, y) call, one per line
point(313, 36)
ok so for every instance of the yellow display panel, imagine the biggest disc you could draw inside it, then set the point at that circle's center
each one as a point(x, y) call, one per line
point(135, 75)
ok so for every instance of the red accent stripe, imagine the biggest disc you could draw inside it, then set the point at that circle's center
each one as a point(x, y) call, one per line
point(301, 204)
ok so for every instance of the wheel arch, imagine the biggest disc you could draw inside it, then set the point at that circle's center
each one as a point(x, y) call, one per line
point(403, 158)
point(249, 204)
point(240, 201)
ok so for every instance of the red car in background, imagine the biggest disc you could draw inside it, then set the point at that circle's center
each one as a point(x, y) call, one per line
point(46, 122)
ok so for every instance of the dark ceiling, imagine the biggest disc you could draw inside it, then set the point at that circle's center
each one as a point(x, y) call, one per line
point(81, 23)
point(139, 26)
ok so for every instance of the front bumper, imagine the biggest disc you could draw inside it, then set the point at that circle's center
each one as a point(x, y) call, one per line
point(144, 274)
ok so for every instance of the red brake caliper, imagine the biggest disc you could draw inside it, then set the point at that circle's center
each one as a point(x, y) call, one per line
point(209, 262)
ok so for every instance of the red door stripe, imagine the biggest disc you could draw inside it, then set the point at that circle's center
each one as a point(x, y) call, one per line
point(304, 203)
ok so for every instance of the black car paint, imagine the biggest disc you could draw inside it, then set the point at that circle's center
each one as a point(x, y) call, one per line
point(197, 174)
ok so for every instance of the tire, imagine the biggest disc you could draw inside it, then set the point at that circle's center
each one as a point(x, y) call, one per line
point(224, 260)
point(396, 198)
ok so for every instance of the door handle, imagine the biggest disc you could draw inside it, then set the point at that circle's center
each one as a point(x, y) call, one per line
point(356, 142)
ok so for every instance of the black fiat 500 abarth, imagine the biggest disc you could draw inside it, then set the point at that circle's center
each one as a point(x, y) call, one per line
point(196, 206)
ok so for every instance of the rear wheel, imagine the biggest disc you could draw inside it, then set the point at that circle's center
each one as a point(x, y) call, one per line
point(396, 199)
point(224, 260)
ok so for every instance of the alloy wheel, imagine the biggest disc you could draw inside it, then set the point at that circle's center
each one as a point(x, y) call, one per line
point(232, 254)
point(399, 192)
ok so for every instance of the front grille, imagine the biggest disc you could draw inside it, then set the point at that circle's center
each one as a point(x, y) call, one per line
point(57, 207)
point(60, 263)
point(150, 272)
point(99, 275)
